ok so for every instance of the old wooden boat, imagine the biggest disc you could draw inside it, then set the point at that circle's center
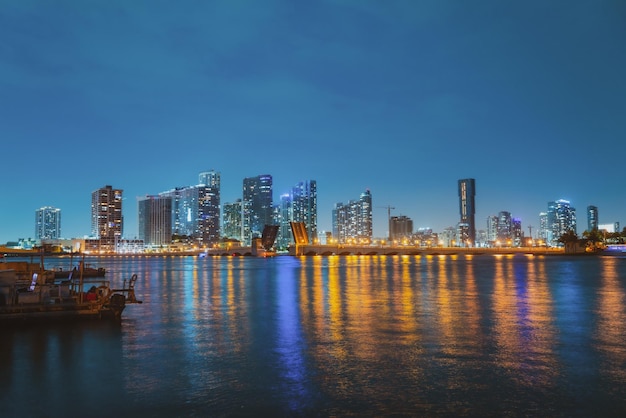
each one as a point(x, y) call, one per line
point(77, 298)
point(86, 271)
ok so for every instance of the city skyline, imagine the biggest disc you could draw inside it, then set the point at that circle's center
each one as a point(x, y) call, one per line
point(580, 222)
point(401, 98)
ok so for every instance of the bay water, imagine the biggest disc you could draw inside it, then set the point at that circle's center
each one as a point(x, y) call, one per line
point(462, 335)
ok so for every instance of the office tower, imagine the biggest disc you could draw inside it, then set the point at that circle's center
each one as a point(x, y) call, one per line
point(543, 227)
point(517, 234)
point(365, 228)
point(196, 212)
point(505, 231)
point(592, 218)
point(208, 214)
point(282, 218)
point(155, 220)
point(467, 209)
point(257, 206)
point(401, 228)
point(48, 223)
point(353, 221)
point(561, 218)
point(106, 213)
point(492, 229)
point(231, 220)
point(304, 207)
point(210, 178)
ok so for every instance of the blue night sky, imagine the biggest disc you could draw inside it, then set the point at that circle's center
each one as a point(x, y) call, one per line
point(402, 97)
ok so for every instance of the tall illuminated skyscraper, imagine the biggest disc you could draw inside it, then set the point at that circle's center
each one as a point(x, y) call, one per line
point(353, 221)
point(592, 218)
point(282, 218)
point(304, 206)
point(106, 213)
point(155, 220)
point(48, 223)
point(231, 220)
point(561, 219)
point(257, 206)
point(467, 209)
point(196, 209)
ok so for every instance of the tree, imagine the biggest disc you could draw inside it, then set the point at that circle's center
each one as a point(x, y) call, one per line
point(569, 236)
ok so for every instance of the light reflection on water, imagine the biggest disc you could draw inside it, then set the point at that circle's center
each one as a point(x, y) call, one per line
point(334, 336)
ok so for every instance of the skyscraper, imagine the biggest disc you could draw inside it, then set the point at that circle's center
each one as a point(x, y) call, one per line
point(48, 223)
point(210, 178)
point(505, 228)
point(492, 229)
point(155, 220)
point(106, 213)
point(592, 218)
point(196, 211)
point(231, 220)
point(467, 209)
point(257, 206)
point(304, 206)
point(282, 218)
point(561, 219)
point(401, 228)
point(353, 221)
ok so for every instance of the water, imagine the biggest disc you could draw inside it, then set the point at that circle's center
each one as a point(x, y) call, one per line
point(335, 336)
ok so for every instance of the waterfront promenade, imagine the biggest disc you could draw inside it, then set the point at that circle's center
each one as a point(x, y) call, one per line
point(326, 250)
point(412, 250)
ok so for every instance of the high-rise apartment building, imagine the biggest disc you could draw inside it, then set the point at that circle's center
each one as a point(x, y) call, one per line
point(561, 218)
point(107, 221)
point(304, 207)
point(353, 221)
point(155, 220)
point(196, 211)
point(492, 229)
point(543, 227)
point(401, 228)
point(257, 206)
point(517, 234)
point(48, 223)
point(282, 218)
point(231, 220)
point(210, 178)
point(592, 218)
point(505, 228)
point(467, 210)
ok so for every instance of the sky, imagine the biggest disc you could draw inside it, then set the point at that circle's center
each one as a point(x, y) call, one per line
point(399, 97)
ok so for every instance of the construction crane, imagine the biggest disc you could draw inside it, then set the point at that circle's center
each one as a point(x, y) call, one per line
point(389, 209)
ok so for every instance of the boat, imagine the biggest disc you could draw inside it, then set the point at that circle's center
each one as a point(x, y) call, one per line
point(87, 272)
point(40, 298)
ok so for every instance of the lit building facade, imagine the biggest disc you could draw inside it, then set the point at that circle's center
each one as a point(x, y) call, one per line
point(282, 217)
point(401, 228)
point(155, 220)
point(505, 231)
point(353, 221)
point(48, 223)
point(492, 229)
point(467, 210)
point(304, 207)
point(561, 218)
point(256, 206)
point(106, 213)
point(196, 209)
point(592, 218)
point(517, 233)
point(543, 228)
point(231, 220)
